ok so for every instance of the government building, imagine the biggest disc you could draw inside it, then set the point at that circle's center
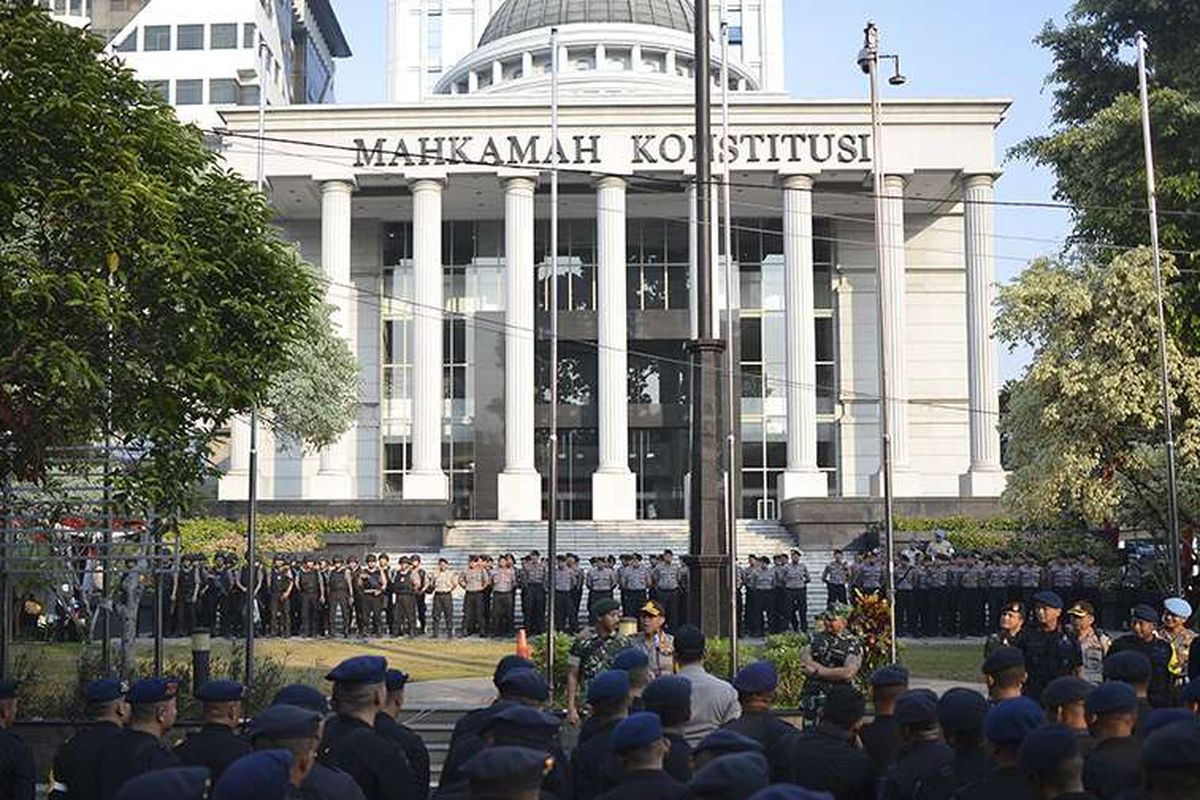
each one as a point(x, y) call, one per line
point(429, 218)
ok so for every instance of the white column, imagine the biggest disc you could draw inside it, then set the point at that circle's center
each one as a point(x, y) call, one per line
point(333, 480)
point(614, 487)
point(801, 478)
point(519, 486)
point(985, 477)
point(426, 480)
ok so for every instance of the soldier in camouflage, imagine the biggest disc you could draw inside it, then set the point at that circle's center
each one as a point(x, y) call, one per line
point(833, 658)
point(592, 652)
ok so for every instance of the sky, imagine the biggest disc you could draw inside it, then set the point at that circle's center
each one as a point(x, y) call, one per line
point(948, 48)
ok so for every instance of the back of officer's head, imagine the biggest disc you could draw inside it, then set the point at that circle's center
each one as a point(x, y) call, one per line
point(844, 707)
point(1050, 760)
point(1171, 762)
point(292, 728)
point(916, 715)
point(359, 685)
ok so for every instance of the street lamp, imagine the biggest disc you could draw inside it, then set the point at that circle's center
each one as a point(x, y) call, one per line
point(868, 61)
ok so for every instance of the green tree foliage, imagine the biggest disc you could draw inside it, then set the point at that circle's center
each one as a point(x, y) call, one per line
point(1085, 421)
point(1096, 148)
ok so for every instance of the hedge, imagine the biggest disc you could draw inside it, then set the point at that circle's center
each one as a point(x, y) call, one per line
point(277, 533)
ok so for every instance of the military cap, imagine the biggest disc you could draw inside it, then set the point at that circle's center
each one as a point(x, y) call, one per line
point(152, 690)
point(1177, 606)
point(916, 707)
point(636, 731)
point(961, 709)
point(732, 776)
point(652, 608)
point(723, 741)
point(395, 680)
point(604, 606)
point(1175, 746)
point(890, 675)
point(1065, 690)
point(756, 678)
point(1047, 747)
point(631, 658)
point(527, 683)
point(608, 686)
point(285, 722)
point(500, 771)
point(1082, 608)
point(508, 663)
point(1003, 658)
point(838, 610)
point(669, 690)
point(517, 716)
point(176, 783)
point(689, 639)
point(1112, 697)
point(105, 690)
point(360, 669)
point(298, 694)
point(1161, 718)
point(263, 775)
point(1010, 721)
point(8, 690)
point(1190, 692)
point(786, 791)
point(1144, 613)
point(1129, 666)
point(1015, 606)
point(220, 691)
point(1048, 599)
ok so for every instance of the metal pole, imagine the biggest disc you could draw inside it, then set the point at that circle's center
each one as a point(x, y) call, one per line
point(159, 652)
point(552, 519)
point(883, 259)
point(732, 397)
point(6, 589)
point(1164, 374)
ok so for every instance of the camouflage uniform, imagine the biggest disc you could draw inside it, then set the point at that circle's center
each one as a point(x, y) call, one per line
point(592, 653)
point(828, 650)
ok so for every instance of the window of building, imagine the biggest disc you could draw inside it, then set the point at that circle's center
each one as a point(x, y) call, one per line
point(157, 37)
point(189, 92)
point(189, 37)
point(248, 34)
point(223, 36)
point(128, 44)
point(160, 88)
point(247, 96)
point(433, 37)
point(576, 264)
point(222, 91)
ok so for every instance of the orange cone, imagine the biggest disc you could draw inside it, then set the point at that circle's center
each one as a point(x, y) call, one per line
point(523, 649)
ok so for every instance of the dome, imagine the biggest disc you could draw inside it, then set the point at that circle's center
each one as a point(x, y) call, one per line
point(517, 16)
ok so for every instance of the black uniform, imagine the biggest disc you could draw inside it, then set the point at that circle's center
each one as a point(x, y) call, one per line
point(881, 741)
point(17, 772)
point(1002, 783)
point(337, 590)
point(1114, 766)
point(678, 762)
point(1159, 652)
point(919, 765)
point(646, 784)
point(412, 745)
point(327, 783)
point(213, 746)
point(74, 775)
point(772, 733)
point(1048, 655)
point(969, 766)
point(131, 753)
point(377, 765)
point(595, 768)
point(465, 741)
point(309, 581)
point(823, 759)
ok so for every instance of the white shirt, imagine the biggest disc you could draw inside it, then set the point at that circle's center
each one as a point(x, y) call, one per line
point(714, 702)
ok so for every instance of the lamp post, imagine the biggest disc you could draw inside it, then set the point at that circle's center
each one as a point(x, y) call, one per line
point(868, 60)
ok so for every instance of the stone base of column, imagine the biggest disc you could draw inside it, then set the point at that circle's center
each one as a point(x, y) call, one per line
point(426, 486)
point(905, 483)
point(794, 483)
point(614, 495)
point(982, 483)
point(519, 496)
point(331, 486)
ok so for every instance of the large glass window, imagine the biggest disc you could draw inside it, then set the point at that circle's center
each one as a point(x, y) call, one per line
point(160, 88)
point(222, 90)
point(157, 37)
point(129, 44)
point(190, 37)
point(657, 255)
point(576, 264)
point(223, 36)
point(433, 36)
point(189, 92)
point(248, 34)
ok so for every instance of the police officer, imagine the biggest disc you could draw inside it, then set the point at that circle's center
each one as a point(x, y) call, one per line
point(905, 580)
point(595, 763)
point(670, 697)
point(17, 772)
point(881, 737)
point(351, 742)
point(923, 754)
point(756, 684)
point(778, 611)
point(338, 593)
point(636, 583)
point(836, 575)
point(666, 580)
point(265, 775)
point(1009, 626)
point(280, 583)
point(973, 591)
point(564, 583)
point(374, 584)
point(762, 595)
point(506, 771)
point(77, 762)
point(996, 582)
point(1050, 650)
point(504, 584)
point(639, 744)
point(284, 725)
point(1143, 638)
point(216, 745)
point(1029, 578)
point(387, 723)
point(600, 580)
point(404, 585)
point(1062, 577)
point(185, 594)
point(533, 593)
point(824, 757)
point(441, 585)
point(833, 658)
point(312, 595)
point(795, 587)
point(473, 580)
point(139, 748)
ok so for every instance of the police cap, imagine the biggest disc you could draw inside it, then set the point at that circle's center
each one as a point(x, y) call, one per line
point(1064, 690)
point(220, 691)
point(524, 718)
point(359, 669)
point(152, 690)
point(961, 710)
point(285, 722)
point(508, 663)
point(500, 771)
point(890, 675)
point(1010, 721)
point(671, 691)
point(632, 658)
point(526, 683)
point(1046, 748)
point(1177, 607)
point(759, 677)
point(263, 775)
point(1003, 658)
point(636, 731)
point(177, 783)
point(1144, 613)
point(608, 686)
point(395, 680)
point(1048, 599)
point(298, 694)
point(723, 741)
point(733, 776)
point(916, 707)
point(1128, 666)
point(105, 690)
point(1112, 697)
point(1175, 746)
point(1161, 718)
point(604, 606)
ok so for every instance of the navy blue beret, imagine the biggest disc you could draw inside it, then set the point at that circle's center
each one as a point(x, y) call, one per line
point(608, 686)
point(1161, 718)
point(890, 675)
point(1129, 666)
point(785, 791)
point(285, 722)
point(1112, 697)
point(723, 740)
point(220, 691)
point(526, 683)
point(1065, 690)
point(1191, 692)
point(636, 731)
point(105, 690)
point(360, 669)
point(395, 680)
point(509, 663)
point(631, 658)
point(152, 690)
point(962, 709)
point(176, 783)
point(8, 690)
point(1175, 746)
point(298, 694)
point(1010, 721)
point(756, 678)
point(917, 707)
point(264, 775)
point(1144, 613)
point(1048, 598)
point(737, 775)
point(1047, 747)
point(506, 769)
point(669, 690)
point(1003, 658)
point(523, 717)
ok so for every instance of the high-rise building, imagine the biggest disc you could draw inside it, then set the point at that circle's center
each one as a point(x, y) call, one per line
point(201, 56)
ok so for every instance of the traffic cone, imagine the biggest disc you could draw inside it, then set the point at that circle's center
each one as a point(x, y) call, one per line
point(523, 649)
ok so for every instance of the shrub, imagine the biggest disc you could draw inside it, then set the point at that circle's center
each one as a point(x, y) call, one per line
point(562, 649)
point(783, 650)
point(870, 622)
point(277, 533)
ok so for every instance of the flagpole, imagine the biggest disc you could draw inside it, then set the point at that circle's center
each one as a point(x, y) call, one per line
point(552, 519)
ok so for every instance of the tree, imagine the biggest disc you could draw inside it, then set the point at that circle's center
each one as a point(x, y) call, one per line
point(1084, 423)
point(1096, 148)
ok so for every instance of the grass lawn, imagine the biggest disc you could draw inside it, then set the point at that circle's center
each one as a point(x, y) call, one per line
point(948, 662)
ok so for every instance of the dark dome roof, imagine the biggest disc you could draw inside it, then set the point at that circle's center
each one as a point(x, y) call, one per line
point(517, 16)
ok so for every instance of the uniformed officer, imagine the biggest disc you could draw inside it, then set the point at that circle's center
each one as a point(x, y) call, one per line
point(1062, 577)
point(17, 772)
point(351, 743)
point(1029, 578)
point(778, 611)
point(654, 640)
point(564, 582)
point(719, 743)
point(960, 714)
point(880, 737)
point(956, 567)
point(1050, 760)
point(923, 754)
point(756, 684)
point(824, 757)
point(1050, 650)
point(280, 583)
point(287, 724)
point(1143, 638)
point(833, 658)
point(265, 775)
point(635, 585)
point(312, 595)
point(600, 580)
point(1064, 699)
point(936, 584)
point(996, 580)
point(387, 723)
point(442, 584)
point(339, 598)
point(667, 579)
point(374, 584)
point(906, 574)
point(529, 727)
point(507, 773)
point(404, 588)
point(1011, 622)
point(762, 592)
point(473, 580)
point(836, 575)
point(533, 593)
point(670, 697)
point(139, 748)
point(734, 776)
point(868, 577)
point(216, 745)
point(77, 762)
point(177, 783)
point(1114, 765)
point(576, 587)
point(595, 765)
point(1004, 673)
point(185, 594)
point(1171, 761)
point(592, 652)
point(1005, 726)
point(795, 587)
point(972, 593)
point(504, 585)
point(641, 747)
